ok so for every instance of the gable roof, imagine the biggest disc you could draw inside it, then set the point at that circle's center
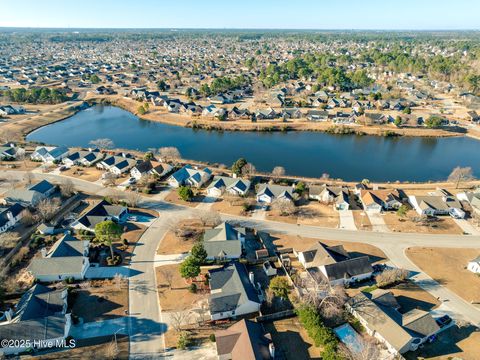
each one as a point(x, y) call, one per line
point(244, 340)
point(230, 287)
point(99, 213)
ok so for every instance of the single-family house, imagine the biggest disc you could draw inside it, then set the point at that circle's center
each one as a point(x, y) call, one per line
point(232, 292)
point(188, 175)
point(117, 164)
point(244, 340)
point(148, 167)
point(40, 318)
point(30, 195)
point(49, 154)
point(473, 198)
point(10, 216)
point(334, 265)
point(10, 151)
point(399, 332)
point(224, 242)
point(440, 202)
point(336, 195)
point(268, 193)
point(233, 186)
point(384, 199)
point(474, 265)
point(67, 258)
point(83, 157)
point(317, 115)
point(102, 211)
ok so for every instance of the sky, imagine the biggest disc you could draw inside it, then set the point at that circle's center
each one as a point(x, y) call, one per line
point(245, 14)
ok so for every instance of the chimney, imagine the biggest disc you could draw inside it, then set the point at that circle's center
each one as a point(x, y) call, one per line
point(44, 252)
point(271, 350)
point(251, 277)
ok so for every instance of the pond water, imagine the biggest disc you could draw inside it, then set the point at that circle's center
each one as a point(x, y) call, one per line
point(349, 157)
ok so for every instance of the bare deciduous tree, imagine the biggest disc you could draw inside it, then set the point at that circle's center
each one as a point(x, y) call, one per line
point(278, 171)
point(28, 178)
point(47, 208)
point(169, 153)
point(104, 143)
point(461, 174)
point(109, 179)
point(7, 240)
point(119, 280)
point(391, 276)
point(211, 218)
point(248, 170)
point(284, 207)
point(132, 198)
point(167, 275)
point(67, 188)
point(178, 319)
point(27, 218)
point(111, 351)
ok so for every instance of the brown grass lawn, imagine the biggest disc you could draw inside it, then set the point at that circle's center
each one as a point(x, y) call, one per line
point(362, 222)
point(448, 267)
point(200, 335)
point(291, 338)
point(274, 215)
point(318, 214)
point(84, 173)
point(175, 199)
point(223, 206)
point(171, 244)
point(178, 298)
point(104, 300)
point(356, 249)
point(445, 225)
point(98, 348)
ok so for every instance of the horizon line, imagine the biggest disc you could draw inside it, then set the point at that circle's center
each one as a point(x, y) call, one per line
point(232, 28)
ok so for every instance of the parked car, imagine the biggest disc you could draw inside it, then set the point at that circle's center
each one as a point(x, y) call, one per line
point(444, 320)
point(132, 180)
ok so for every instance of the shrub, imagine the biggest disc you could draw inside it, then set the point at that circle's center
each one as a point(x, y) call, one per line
point(212, 337)
point(192, 288)
point(184, 340)
point(391, 276)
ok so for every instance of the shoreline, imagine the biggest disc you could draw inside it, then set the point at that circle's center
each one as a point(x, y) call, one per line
point(271, 126)
point(74, 109)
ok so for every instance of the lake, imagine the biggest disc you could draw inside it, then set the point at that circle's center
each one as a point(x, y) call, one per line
point(311, 154)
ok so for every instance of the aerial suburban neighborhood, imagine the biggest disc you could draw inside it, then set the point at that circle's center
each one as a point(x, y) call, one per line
point(239, 192)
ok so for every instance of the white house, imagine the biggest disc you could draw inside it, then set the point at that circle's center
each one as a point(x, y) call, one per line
point(437, 203)
point(100, 212)
point(336, 195)
point(10, 216)
point(10, 151)
point(83, 157)
point(268, 193)
point(30, 195)
point(49, 154)
point(224, 242)
point(232, 292)
point(474, 265)
point(233, 186)
point(117, 164)
point(144, 168)
point(189, 176)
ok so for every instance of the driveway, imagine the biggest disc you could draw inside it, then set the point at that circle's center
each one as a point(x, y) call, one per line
point(346, 220)
point(467, 227)
point(206, 203)
point(100, 328)
point(377, 221)
point(106, 272)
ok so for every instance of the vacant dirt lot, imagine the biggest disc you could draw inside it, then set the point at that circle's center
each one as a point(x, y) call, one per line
point(172, 244)
point(292, 340)
point(318, 214)
point(444, 225)
point(84, 173)
point(174, 198)
point(448, 267)
point(177, 298)
point(234, 208)
point(103, 300)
